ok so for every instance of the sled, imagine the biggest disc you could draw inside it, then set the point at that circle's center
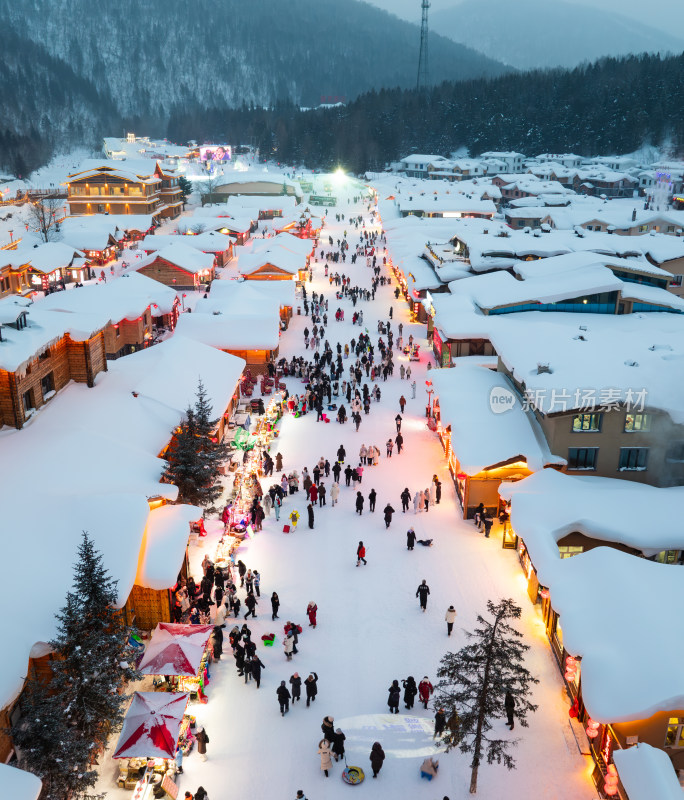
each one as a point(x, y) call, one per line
point(353, 775)
point(268, 639)
point(286, 528)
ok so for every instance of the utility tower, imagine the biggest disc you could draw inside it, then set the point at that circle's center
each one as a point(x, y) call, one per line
point(423, 59)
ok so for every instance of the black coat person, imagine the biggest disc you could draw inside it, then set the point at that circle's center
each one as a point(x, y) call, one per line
point(283, 695)
point(310, 513)
point(410, 691)
point(394, 697)
point(328, 729)
point(372, 497)
point(338, 744)
point(440, 722)
point(275, 605)
point(410, 539)
point(405, 499)
point(377, 756)
point(422, 592)
point(296, 684)
point(256, 667)
point(509, 705)
point(311, 685)
point(388, 511)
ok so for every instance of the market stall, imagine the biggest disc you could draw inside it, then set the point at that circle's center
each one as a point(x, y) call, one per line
point(153, 728)
point(179, 653)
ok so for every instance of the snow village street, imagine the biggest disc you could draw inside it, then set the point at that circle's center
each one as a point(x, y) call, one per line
point(370, 629)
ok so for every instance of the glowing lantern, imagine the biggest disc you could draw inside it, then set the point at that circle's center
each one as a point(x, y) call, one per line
point(592, 733)
point(611, 780)
point(592, 728)
point(610, 789)
point(545, 593)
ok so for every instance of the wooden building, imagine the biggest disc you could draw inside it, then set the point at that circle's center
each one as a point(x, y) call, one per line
point(127, 187)
point(39, 358)
point(179, 266)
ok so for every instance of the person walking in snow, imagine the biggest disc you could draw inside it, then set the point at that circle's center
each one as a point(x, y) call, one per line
point(372, 497)
point(397, 420)
point(311, 686)
point(296, 684)
point(288, 646)
point(377, 756)
point(410, 691)
point(328, 729)
point(450, 617)
point(405, 500)
point(410, 539)
point(394, 697)
point(422, 593)
point(402, 404)
point(399, 441)
point(311, 610)
point(440, 723)
point(425, 689)
point(310, 512)
point(202, 742)
point(334, 493)
point(413, 390)
point(509, 705)
point(275, 605)
point(251, 602)
point(325, 754)
point(389, 445)
point(283, 694)
point(388, 511)
point(338, 744)
point(361, 555)
point(359, 503)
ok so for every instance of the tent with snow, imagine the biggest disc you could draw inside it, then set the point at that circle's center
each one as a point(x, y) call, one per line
point(152, 726)
point(175, 649)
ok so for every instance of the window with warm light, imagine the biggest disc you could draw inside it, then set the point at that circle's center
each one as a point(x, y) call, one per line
point(587, 423)
point(637, 423)
point(675, 732)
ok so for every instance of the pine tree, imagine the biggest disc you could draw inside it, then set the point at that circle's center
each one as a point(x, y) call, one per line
point(186, 188)
point(51, 748)
point(211, 451)
point(183, 464)
point(93, 656)
point(474, 682)
point(195, 456)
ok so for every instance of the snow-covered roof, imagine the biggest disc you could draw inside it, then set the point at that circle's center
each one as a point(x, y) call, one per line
point(19, 785)
point(248, 295)
point(184, 256)
point(481, 437)
point(454, 203)
point(89, 233)
point(164, 545)
point(125, 298)
point(647, 773)
point(133, 169)
point(228, 331)
point(549, 505)
point(44, 327)
point(46, 257)
point(278, 256)
point(498, 289)
point(239, 204)
point(624, 354)
point(301, 247)
point(418, 158)
point(419, 274)
point(620, 681)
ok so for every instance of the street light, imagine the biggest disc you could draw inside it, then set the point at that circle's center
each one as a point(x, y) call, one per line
point(430, 391)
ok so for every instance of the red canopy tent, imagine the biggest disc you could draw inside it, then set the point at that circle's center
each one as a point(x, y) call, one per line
point(152, 726)
point(175, 649)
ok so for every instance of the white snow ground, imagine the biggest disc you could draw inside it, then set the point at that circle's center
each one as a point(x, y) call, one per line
point(370, 627)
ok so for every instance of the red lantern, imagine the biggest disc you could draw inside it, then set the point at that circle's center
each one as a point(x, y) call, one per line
point(592, 733)
point(610, 789)
point(570, 676)
point(545, 593)
point(611, 780)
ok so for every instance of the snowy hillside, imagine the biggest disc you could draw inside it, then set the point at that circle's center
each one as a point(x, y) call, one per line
point(534, 33)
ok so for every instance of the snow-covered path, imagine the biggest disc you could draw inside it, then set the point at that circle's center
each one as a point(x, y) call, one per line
point(370, 627)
